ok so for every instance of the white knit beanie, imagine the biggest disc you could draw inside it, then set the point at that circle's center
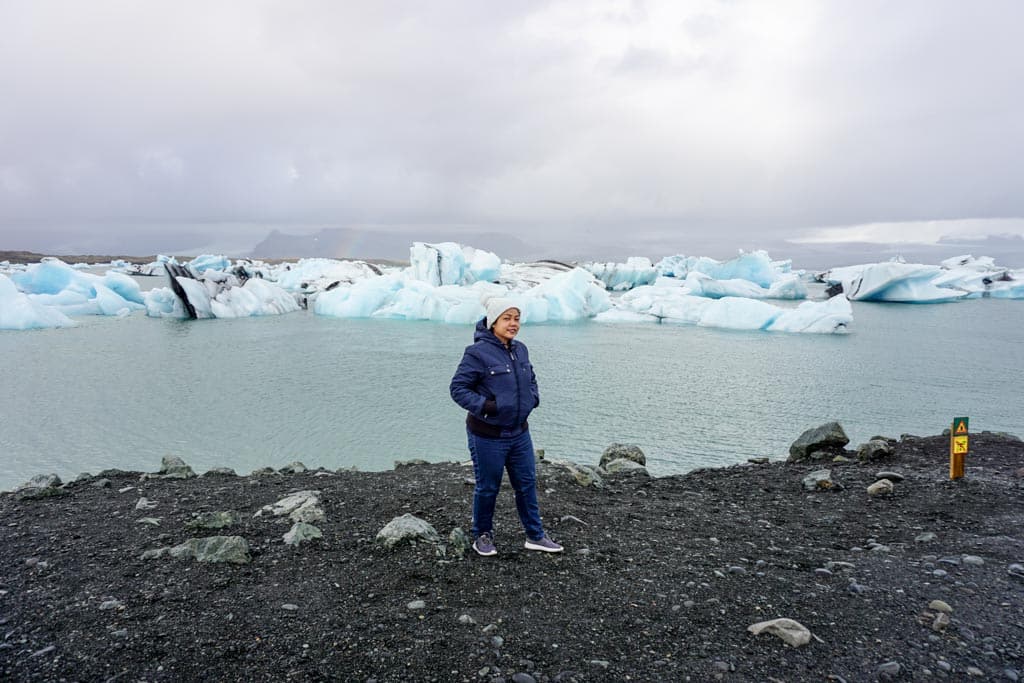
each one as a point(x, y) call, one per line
point(498, 305)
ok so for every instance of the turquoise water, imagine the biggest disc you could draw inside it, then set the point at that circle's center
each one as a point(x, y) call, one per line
point(121, 393)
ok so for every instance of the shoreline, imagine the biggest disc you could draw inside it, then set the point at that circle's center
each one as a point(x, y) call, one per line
point(660, 580)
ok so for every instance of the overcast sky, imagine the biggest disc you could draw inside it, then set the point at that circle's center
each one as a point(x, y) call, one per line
point(654, 122)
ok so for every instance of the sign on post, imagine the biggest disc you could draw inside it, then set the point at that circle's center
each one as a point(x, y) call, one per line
point(958, 434)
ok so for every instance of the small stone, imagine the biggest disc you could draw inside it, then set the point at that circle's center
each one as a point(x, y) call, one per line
point(889, 670)
point(406, 529)
point(941, 622)
point(882, 487)
point(599, 663)
point(791, 632)
point(152, 521)
point(926, 537)
point(101, 483)
point(940, 606)
point(110, 604)
point(735, 569)
point(417, 605)
point(523, 678)
point(301, 533)
point(894, 477)
point(497, 642)
point(972, 561)
point(120, 633)
point(1016, 570)
point(145, 504)
point(291, 607)
point(940, 573)
point(824, 573)
point(820, 480)
point(466, 619)
point(944, 665)
point(974, 671)
point(1011, 675)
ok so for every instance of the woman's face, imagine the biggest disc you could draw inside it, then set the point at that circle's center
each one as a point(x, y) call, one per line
point(507, 325)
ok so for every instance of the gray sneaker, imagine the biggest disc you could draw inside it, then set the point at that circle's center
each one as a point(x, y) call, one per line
point(484, 545)
point(544, 544)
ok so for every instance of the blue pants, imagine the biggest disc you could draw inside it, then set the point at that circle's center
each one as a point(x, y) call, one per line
point(490, 458)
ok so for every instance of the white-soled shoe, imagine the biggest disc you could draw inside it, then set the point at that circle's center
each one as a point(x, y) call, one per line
point(543, 544)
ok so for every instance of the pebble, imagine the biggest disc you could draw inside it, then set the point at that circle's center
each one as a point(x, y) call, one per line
point(951, 561)
point(855, 588)
point(289, 606)
point(497, 642)
point(417, 604)
point(722, 666)
point(523, 678)
point(46, 650)
point(889, 669)
point(944, 665)
point(688, 603)
point(120, 633)
point(973, 561)
point(926, 537)
point(891, 476)
point(822, 572)
point(1011, 675)
point(1016, 569)
point(110, 604)
point(940, 573)
point(974, 671)
point(599, 663)
point(466, 619)
point(940, 606)
point(490, 628)
point(735, 569)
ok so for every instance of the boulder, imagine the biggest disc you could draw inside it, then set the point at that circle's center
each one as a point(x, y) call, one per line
point(620, 451)
point(230, 549)
point(821, 480)
point(220, 472)
point(583, 475)
point(293, 468)
point(407, 529)
point(39, 486)
point(875, 449)
point(302, 532)
point(212, 520)
point(828, 440)
point(625, 466)
point(459, 541)
point(792, 632)
point(882, 487)
point(301, 506)
point(171, 467)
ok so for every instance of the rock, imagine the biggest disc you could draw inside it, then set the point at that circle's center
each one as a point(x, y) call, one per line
point(459, 541)
point(293, 468)
point(762, 460)
point(264, 472)
point(972, 561)
point(102, 483)
point(599, 663)
point(171, 467)
point(625, 466)
point(791, 632)
point(584, 475)
point(39, 486)
point(467, 620)
point(876, 449)
point(230, 549)
point(212, 520)
point(940, 606)
point(152, 521)
point(111, 604)
point(821, 480)
point(220, 472)
point(410, 463)
point(941, 622)
point(523, 678)
point(619, 451)
point(882, 487)
point(302, 532)
point(894, 477)
point(974, 671)
point(1016, 570)
point(406, 529)
point(828, 438)
point(926, 537)
point(145, 504)
point(417, 605)
point(301, 506)
point(888, 670)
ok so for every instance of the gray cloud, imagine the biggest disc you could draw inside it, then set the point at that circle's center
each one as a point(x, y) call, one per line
point(631, 123)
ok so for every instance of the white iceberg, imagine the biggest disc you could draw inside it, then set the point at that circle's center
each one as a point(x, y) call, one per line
point(218, 295)
point(785, 287)
point(19, 312)
point(677, 305)
point(448, 263)
point(754, 266)
point(618, 277)
point(55, 284)
point(899, 282)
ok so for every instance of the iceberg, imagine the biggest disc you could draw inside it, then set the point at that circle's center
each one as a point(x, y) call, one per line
point(785, 287)
point(899, 282)
point(565, 297)
point(754, 266)
point(205, 262)
point(19, 312)
point(677, 305)
point(216, 295)
point(448, 263)
point(55, 284)
point(619, 277)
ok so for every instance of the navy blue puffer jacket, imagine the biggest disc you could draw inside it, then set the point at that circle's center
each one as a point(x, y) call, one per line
point(490, 371)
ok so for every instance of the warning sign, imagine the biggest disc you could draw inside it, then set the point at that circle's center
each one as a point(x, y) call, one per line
point(960, 426)
point(959, 445)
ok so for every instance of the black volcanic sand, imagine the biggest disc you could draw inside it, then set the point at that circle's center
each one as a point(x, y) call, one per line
point(659, 582)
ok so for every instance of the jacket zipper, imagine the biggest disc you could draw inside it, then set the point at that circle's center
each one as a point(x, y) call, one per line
point(515, 371)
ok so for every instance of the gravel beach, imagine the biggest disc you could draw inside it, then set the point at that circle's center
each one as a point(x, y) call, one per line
point(115, 576)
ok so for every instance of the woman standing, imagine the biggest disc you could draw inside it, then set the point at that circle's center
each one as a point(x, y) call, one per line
point(496, 385)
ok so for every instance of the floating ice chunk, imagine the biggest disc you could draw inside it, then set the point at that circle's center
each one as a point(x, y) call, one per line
point(567, 296)
point(359, 300)
point(161, 302)
point(968, 262)
point(677, 305)
point(125, 286)
point(318, 273)
point(785, 287)
point(47, 277)
point(899, 282)
point(619, 277)
point(448, 263)
point(205, 262)
point(754, 266)
point(19, 312)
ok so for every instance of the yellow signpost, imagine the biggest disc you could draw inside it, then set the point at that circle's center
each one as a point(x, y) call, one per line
point(958, 434)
